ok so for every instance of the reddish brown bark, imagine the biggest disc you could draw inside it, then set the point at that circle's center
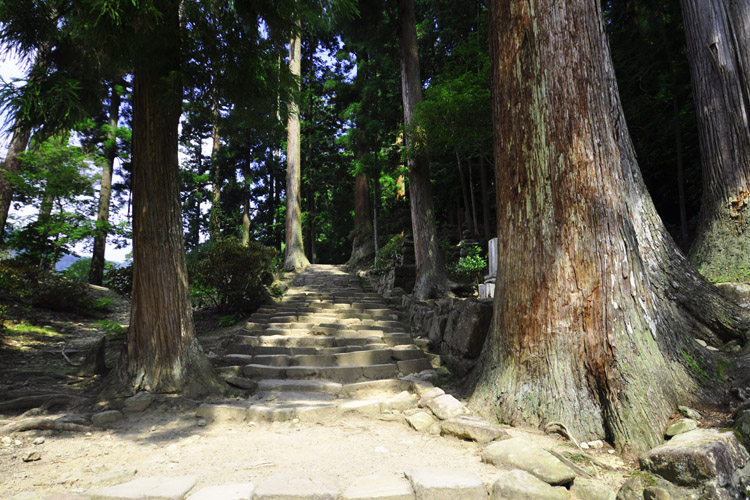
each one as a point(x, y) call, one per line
point(163, 354)
point(595, 308)
point(11, 166)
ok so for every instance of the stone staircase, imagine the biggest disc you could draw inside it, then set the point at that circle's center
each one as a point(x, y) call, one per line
point(329, 347)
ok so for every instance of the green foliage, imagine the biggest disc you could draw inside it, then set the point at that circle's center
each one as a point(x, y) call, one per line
point(79, 270)
point(389, 253)
point(24, 283)
point(228, 320)
point(120, 279)
point(230, 276)
point(471, 267)
point(112, 329)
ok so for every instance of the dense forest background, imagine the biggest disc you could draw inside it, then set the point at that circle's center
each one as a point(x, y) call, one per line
point(233, 127)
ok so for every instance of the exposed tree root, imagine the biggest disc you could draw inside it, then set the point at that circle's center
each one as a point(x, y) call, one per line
point(43, 423)
point(43, 401)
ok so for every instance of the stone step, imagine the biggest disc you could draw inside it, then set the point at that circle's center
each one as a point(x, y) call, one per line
point(340, 374)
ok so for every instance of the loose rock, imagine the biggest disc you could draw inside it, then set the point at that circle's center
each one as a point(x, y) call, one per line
point(519, 453)
point(32, 456)
point(520, 485)
point(446, 406)
point(473, 428)
point(139, 402)
point(681, 426)
point(446, 484)
point(421, 421)
point(689, 412)
point(104, 418)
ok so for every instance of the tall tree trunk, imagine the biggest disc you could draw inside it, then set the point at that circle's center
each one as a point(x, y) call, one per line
point(464, 192)
point(163, 354)
point(431, 279)
point(96, 273)
point(215, 216)
point(362, 242)
point(474, 222)
point(718, 41)
point(11, 166)
point(485, 199)
point(295, 259)
point(590, 325)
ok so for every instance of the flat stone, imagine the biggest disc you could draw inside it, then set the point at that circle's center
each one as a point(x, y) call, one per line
point(414, 365)
point(238, 359)
point(235, 491)
point(474, 428)
point(32, 456)
point(681, 426)
point(696, 456)
point(367, 407)
point(591, 489)
point(242, 382)
point(379, 487)
point(520, 485)
point(287, 486)
point(446, 484)
point(519, 453)
point(221, 412)
point(429, 394)
point(106, 417)
point(421, 421)
point(151, 488)
point(139, 402)
point(401, 401)
point(446, 406)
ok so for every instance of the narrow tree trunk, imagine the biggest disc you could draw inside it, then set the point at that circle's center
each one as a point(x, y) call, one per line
point(11, 166)
point(718, 41)
point(474, 222)
point(215, 221)
point(362, 242)
point(594, 326)
point(431, 279)
point(163, 354)
point(96, 273)
point(464, 191)
point(295, 251)
point(485, 199)
point(681, 200)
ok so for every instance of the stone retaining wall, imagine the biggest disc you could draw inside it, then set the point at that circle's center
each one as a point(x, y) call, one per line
point(455, 327)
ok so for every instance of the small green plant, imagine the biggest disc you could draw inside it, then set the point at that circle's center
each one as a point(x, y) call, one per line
point(389, 253)
point(692, 363)
point(228, 320)
point(112, 329)
point(471, 267)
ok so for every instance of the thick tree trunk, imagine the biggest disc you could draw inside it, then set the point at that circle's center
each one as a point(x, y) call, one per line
point(594, 323)
point(718, 40)
point(295, 259)
point(12, 164)
point(163, 354)
point(96, 273)
point(464, 192)
point(215, 215)
point(431, 279)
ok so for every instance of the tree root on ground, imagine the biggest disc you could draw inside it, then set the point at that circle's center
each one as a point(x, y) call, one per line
point(43, 401)
point(43, 423)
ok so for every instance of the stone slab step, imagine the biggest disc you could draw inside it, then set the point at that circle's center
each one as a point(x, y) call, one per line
point(276, 385)
point(340, 374)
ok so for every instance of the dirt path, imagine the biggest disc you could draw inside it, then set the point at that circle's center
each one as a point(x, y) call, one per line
point(168, 440)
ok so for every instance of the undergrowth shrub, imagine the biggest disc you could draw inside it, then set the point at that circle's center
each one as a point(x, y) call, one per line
point(389, 253)
point(23, 283)
point(120, 279)
point(230, 276)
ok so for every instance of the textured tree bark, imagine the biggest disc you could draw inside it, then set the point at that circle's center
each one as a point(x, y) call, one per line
point(12, 164)
point(595, 308)
point(718, 40)
point(163, 354)
point(295, 259)
point(96, 272)
point(431, 279)
point(363, 246)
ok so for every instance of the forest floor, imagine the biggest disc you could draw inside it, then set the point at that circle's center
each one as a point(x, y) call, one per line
point(38, 359)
